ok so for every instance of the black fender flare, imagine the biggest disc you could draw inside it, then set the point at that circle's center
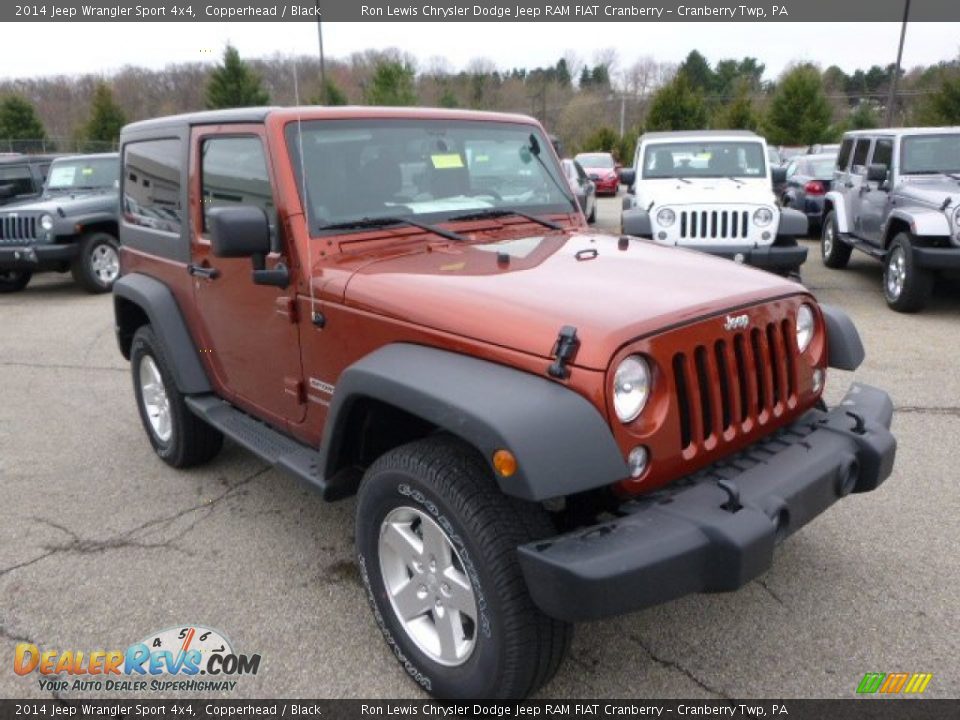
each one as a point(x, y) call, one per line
point(160, 306)
point(844, 347)
point(560, 440)
point(636, 221)
point(793, 223)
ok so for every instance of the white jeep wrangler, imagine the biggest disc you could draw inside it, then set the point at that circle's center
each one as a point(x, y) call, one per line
point(711, 190)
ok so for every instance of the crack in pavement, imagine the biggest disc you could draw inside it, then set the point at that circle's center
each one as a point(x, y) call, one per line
point(675, 665)
point(128, 539)
point(952, 411)
point(770, 592)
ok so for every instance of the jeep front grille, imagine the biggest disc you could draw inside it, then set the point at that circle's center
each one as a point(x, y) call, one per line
point(14, 228)
point(735, 384)
point(714, 224)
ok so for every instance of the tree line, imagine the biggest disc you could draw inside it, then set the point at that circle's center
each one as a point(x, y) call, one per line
point(597, 104)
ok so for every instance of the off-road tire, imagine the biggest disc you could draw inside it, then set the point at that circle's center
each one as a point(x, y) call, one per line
point(192, 441)
point(82, 266)
point(518, 648)
point(12, 281)
point(835, 252)
point(917, 283)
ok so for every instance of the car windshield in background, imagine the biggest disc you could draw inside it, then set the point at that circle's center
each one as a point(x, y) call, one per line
point(709, 160)
point(926, 154)
point(596, 160)
point(89, 174)
point(365, 169)
point(822, 168)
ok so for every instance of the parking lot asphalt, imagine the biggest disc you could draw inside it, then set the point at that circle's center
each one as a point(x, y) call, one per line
point(101, 544)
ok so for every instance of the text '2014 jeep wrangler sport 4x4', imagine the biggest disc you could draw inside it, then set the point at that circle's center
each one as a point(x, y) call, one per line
point(896, 197)
point(542, 424)
point(712, 191)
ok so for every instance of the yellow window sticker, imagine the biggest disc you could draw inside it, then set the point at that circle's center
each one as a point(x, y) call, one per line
point(87, 171)
point(447, 161)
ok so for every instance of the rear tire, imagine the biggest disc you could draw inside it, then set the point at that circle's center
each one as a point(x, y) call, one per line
point(906, 287)
point(97, 266)
point(12, 281)
point(179, 437)
point(440, 488)
point(835, 252)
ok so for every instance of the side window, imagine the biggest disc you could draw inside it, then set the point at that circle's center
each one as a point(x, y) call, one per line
point(792, 169)
point(883, 152)
point(843, 157)
point(18, 177)
point(234, 172)
point(860, 154)
point(151, 185)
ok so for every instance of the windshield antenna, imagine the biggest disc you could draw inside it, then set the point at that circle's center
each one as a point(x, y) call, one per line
point(315, 315)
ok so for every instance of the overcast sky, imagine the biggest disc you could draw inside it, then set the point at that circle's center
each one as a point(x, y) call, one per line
point(102, 47)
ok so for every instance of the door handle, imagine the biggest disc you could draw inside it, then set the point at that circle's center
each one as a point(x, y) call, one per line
point(204, 271)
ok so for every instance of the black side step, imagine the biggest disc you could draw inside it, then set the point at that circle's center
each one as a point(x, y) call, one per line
point(284, 453)
point(864, 247)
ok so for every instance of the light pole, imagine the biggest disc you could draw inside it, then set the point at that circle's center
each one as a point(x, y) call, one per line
point(323, 73)
point(892, 99)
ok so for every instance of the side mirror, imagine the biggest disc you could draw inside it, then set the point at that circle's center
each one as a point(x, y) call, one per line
point(628, 176)
point(778, 175)
point(876, 173)
point(243, 231)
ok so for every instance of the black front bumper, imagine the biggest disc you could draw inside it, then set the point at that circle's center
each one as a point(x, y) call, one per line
point(773, 257)
point(36, 257)
point(696, 536)
point(931, 258)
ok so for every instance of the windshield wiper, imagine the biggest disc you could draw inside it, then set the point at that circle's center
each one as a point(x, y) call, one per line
point(495, 213)
point(375, 222)
point(738, 182)
point(683, 179)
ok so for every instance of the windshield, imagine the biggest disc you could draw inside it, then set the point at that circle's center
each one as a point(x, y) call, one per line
point(822, 168)
point(924, 154)
point(596, 160)
point(705, 160)
point(358, 169)
point(84, 174)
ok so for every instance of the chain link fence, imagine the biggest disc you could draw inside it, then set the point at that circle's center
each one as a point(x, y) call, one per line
point(55, 145)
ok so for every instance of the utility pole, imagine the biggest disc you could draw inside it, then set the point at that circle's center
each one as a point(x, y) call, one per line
point(323, 72)
point(892, 99)
point(623, 113)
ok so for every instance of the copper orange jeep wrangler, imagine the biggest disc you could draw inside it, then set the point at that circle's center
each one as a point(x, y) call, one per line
point(542, 424)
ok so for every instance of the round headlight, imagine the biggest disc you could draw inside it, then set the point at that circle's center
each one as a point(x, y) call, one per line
point(805, 327)
point(763, 216)
point(631, 388)
point(666, 217)
point(46, 222)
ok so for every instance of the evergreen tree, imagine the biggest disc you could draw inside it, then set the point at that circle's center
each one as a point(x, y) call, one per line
point(799, 112)
point(563, 73)
point(603, 139)
point(600, 77)
point(392, 84)
point(19, 121)
point(448, 99)
point(106, 117)
point(585, 78)
point(738, 113)
point(677, 106)
point(699, 74)
point(233, 84)
point(863, 117)
point(943, 107)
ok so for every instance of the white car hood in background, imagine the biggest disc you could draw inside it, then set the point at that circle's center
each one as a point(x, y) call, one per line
point(704, 191)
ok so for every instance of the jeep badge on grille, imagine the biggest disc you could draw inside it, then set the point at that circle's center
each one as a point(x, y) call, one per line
point(736, 322)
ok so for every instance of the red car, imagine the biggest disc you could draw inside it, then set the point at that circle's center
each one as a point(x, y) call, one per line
point(603, 169)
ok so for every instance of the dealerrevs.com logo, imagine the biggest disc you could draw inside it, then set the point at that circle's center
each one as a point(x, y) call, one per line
point(188, 658)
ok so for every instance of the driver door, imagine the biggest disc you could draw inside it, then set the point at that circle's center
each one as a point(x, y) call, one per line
point(855, 185)
point(874, 197)
point(250, 331)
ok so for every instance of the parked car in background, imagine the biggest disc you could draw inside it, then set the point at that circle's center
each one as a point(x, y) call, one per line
point(773, 157)
point(809, 179)
point(787, 153)
point(896, 197)
point(582, 186)
point(72, 226)
point(710, 190)
point(603, 169)
point(22, 176)
point(828, 149)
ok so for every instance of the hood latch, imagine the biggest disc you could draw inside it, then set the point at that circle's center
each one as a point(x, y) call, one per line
point(563, 350)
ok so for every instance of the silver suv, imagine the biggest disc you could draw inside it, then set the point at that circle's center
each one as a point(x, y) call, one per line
point(896, 197)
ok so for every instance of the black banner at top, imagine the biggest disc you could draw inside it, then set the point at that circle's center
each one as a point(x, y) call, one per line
point(480, 10)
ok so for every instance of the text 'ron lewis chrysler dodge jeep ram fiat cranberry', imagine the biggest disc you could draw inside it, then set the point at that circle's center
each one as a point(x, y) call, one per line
point(542, 424)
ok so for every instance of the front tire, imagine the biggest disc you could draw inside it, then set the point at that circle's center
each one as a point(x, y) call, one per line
point(97, 266)
point(835, 252)
point(437, 549)
point(179, 437)
point(12, 281)
point(906, 287)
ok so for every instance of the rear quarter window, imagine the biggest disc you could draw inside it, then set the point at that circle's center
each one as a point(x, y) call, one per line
point(861, 153)
point(151, 185)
